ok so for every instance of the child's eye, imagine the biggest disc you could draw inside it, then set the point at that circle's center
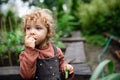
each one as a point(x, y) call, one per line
point(38, 27)
point(27, 28)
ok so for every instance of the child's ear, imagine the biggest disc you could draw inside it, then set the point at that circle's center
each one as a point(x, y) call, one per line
point(48, 31)
point(49, 34)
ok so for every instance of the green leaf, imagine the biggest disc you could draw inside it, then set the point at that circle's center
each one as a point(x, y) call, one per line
point(114, 76)
point(110, 67)
point(100, 67)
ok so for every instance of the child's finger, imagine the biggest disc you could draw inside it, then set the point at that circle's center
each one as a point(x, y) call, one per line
point(71, 70)
point(26, 37)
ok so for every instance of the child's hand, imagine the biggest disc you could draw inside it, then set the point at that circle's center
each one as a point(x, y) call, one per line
point(68, 72)
point(29, 41)
point(70, 68)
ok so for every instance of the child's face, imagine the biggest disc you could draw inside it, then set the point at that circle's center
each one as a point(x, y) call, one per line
point(36, 30)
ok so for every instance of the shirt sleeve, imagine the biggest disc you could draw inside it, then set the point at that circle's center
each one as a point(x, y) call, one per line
point(62, 61)
point(28, 63)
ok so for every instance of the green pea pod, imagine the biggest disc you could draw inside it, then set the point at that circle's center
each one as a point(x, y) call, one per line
point(66, 73)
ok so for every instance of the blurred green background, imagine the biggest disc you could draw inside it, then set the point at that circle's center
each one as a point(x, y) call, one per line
point(91, 17)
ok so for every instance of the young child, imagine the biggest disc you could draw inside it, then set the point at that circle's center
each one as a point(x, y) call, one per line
point(41, 60)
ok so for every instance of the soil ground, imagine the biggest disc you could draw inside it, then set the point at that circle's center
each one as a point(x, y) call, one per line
point(92, 53)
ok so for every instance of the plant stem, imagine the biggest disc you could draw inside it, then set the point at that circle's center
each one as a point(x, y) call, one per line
point(2, 61)
point(10, 60)
point(11, 29)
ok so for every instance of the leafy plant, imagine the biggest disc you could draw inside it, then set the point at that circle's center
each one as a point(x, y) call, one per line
point(96, 39)
point(64, 19)
point(99, 16)
point(99, 69)
point(10, 39)
point(10, 44)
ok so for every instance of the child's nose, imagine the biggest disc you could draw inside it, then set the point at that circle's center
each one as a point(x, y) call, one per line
point(32, 32)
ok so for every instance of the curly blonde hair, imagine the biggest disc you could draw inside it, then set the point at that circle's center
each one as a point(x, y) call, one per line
point(46, 18)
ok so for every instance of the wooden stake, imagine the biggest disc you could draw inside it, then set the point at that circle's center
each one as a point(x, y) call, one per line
point(11, 29)
point(4, 25)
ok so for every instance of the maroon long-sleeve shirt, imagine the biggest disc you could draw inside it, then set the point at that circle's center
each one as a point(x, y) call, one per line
point(28, 59)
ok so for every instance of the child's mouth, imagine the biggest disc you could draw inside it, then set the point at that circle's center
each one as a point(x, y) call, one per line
point(35, 38)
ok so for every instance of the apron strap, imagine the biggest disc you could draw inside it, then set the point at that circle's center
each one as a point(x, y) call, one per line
point(55, 50)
